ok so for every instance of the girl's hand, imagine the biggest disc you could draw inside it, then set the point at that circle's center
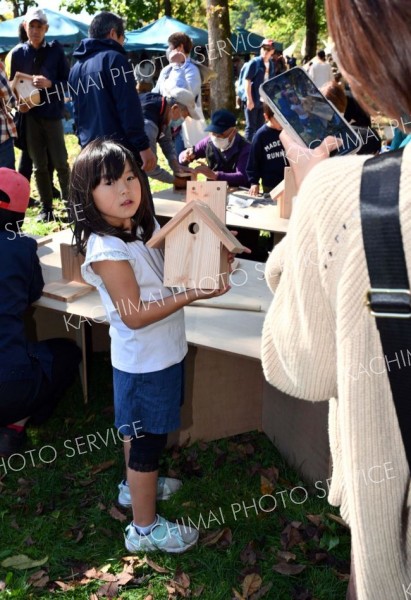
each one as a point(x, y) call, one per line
point(200, 294)
point(302, 159)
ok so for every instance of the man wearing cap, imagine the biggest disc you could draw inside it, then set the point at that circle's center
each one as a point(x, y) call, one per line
point(161, 113)
point(258, 70)
point(103, 90)
point(44, 129)
point(33, 375)
point(225, 149)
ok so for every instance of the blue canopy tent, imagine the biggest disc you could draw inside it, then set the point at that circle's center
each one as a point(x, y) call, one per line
point(244, 41)
point(153, 37)
point(61, 28)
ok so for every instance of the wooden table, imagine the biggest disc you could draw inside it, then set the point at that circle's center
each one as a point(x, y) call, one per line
point(226, 393)
point(260, 216)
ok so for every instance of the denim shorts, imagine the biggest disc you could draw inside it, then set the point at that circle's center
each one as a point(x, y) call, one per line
point(148, 401)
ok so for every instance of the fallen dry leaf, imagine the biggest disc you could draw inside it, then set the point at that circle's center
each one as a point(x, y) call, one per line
point(285, 556)
point(266, 486)
point(251, 584)
point(248, 555)
point(198, 591)
point(2, 586)
point(93, 597)
point(39, 579)
point(110, 590)
point(155, 566)
point(221, 537)
point(182, 579)
point(149, 597)
point(117, 514)
point(290, 536)
point(64, 586)
point(237, 595)
point(179, 589)
point(338, 520)
point(262, 592)
point(102, 467)
point(288, 569)
point(315, 519)
point(124, 578)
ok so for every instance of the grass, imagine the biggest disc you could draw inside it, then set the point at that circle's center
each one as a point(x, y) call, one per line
point(59, 507)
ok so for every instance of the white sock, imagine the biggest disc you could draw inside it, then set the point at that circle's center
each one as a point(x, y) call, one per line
point(145, 530)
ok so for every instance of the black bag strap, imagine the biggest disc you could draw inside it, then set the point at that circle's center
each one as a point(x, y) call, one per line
point(389, 298)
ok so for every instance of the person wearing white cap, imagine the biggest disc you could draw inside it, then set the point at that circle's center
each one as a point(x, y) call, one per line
point(161, 113)
point(46, 62)
point(258, 70)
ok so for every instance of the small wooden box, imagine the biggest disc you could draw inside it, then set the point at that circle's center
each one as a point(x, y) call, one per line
point(23, 87)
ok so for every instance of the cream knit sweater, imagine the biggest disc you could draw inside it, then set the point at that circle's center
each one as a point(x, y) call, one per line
point(320, 342)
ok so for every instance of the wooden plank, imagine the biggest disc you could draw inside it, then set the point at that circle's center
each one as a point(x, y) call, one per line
point(71, 263)
point(220, 302)
point(212, 193)
point(277, 191)
point(285, 202)
point(24, 89)
point(66, 291)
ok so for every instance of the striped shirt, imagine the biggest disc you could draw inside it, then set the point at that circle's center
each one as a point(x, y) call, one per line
point(7, 102)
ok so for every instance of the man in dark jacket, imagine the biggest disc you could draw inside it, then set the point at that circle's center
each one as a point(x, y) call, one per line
point(44, 129)
point(103, 90)
point(258, 70)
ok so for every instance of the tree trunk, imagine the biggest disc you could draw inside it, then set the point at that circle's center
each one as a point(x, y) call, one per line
point(167, 8)
point(219, 53)
point(312, 28)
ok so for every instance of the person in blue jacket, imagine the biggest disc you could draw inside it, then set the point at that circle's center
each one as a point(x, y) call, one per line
point(103, 90)
point(33, 375)
point(258, 70)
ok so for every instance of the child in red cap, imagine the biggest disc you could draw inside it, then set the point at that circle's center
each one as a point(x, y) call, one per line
point(33, 375)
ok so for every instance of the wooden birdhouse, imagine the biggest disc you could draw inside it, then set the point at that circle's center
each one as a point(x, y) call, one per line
point(284, 193)
point(23, 87)
point(196, 240)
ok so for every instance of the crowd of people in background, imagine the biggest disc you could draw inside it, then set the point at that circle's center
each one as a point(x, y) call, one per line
point(144, 109)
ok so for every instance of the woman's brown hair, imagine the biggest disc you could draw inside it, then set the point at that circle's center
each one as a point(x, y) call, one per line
point(334, 92)
point(373, 40)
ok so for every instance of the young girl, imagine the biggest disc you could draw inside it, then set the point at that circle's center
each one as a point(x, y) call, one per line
point(110, 200)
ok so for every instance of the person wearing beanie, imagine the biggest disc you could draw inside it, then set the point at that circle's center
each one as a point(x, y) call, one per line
point(33, 375)
point(225, 149)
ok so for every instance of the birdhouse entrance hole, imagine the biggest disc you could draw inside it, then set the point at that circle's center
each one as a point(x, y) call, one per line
point(194, 228)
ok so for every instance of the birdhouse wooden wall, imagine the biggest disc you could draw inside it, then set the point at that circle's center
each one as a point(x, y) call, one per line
point(24, 88)
point(192, 254)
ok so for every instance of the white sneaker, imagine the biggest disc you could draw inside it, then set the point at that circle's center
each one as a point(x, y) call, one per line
point(165, 536)
point(166, 487)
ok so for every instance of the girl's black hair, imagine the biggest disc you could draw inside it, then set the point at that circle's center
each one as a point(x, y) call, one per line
point(105, 158)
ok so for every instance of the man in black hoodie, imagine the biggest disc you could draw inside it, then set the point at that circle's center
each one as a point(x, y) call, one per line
point(103, 89)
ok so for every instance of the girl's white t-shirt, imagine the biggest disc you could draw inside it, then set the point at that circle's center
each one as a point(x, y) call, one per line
point(150, 348)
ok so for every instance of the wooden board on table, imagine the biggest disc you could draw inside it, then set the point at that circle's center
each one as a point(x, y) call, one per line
point(66, 291)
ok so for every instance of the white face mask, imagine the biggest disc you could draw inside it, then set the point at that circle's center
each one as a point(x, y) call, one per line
point(222, 143)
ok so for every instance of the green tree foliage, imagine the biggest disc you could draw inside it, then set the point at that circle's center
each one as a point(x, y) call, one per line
point(139, 12)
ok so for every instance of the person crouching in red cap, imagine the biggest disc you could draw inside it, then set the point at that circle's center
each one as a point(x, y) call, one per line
point(33, 375)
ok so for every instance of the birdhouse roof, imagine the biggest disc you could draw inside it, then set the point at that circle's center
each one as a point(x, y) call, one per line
point(203, 213)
